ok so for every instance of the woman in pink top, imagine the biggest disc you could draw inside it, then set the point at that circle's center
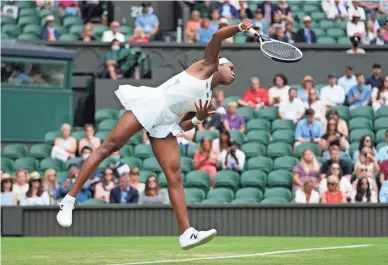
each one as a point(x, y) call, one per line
point(192, 24)
point(205, 159)
point(89, 139)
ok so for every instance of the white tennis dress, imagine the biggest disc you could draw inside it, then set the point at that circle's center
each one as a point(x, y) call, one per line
point(160, 109)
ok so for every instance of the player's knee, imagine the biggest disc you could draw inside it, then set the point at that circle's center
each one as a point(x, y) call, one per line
point(174, 176)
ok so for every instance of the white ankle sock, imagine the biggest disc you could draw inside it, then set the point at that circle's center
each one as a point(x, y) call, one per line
point(69, 199)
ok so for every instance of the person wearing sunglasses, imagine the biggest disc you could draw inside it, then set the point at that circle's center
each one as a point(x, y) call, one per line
point(333, 193)
point(332, 135)
point(134, 180)
point(107, 183)
point(363, 192)
point(361, 171)
point(152, 193)
point(35, 195)
point(365, 141)
point(344, 184)
point(335, 157)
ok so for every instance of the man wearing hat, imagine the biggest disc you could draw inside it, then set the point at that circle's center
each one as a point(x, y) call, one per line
point(306, 35)
point(332, 95)
point(49, 32)
point(355, 27)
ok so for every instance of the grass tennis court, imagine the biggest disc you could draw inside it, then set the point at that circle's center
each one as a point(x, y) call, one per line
point(136, 250)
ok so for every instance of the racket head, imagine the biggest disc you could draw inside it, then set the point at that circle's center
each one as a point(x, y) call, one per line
point(281, 51)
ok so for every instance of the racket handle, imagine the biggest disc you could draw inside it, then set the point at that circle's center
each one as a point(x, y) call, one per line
point(253, 31)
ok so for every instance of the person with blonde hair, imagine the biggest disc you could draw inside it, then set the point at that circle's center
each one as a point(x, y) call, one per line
point(308, 167)
point(307, 194)
point(35, 195)
point(138, 36)
point(65, 146)
point(50, 184)
point(333, 193)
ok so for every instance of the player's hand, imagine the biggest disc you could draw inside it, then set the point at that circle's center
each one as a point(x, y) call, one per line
point(246, 25)
point(204, 111)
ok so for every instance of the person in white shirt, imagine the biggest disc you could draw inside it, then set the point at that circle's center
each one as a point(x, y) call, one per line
point(370, 33)
point(113, 33)
point(318, 106)
point(20, 187)
point(307, 194)
point(356, 8)
point(337, 10)
point(35, 194)
point(291, 108)
point(232, 159)
point(279, 91)
point(348, 80)
point(332, 94)
point(355, 26)
point(364, 193)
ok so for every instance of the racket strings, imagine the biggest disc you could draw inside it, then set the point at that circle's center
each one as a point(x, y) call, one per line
point(280, 50)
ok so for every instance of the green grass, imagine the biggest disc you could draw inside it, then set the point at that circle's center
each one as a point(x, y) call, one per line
point(122, 250)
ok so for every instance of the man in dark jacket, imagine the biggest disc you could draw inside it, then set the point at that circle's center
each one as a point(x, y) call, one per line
point(49, 32)
point(124, 193)
point(306, 35)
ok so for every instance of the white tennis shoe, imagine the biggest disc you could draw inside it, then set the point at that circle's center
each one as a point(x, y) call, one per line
point(192, 238)
point(65, 214)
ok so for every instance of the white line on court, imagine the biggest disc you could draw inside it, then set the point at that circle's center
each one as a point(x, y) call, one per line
point(244, 255)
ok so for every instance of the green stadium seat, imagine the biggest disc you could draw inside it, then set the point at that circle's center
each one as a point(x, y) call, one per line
point(40, 151)
point(26, 4)
point(274, 200)
point(136, 139)
point(162, 181)
point(380, 136)
point(326, 24)
point(121, 112)
point(30, 20)
point(382, 112)
point(76, 30)
point(192, 149)
point(70, 21)
point(78, 135)
point(240, 38)
point(145, 174)
point(310, 8)
point(342, 25)
point(285, 163)
point(381, 123)
point(27, 12)
point(210, 134)
point(355, 135)
point(11, 30)
point(132, 162)
point(247, 112)
point(126, 151)
point(126, 30)
point(280, 124)
point(360, 123)
point(152, 164)
point(326, 40)
point(94, 201)
point(280, 178)
point(295, 7)
point(198, 179)
point(219, 195)
point(258, 124)
point(7, 164)
point(106, 125)
point(98, 31)
point(186, 164)
point(253, 149)
point(275, 150)
point(33, 29)
point(298, 15)
point(105, 163)
point(143, 151)
point(254, 178)
point(258, 136)
point(28, 36)
point(318, 16)
point(103, 114)
point(73, 161)
point(343, 111)
point(319, 32)
point(284, 136)
point(43, 13)
point(335, 32)
point(362, 111)
point(49, 162)
point(62, 176)
point(103, 135)
point(49, 137)
point(300, 148)
point(4, 36)
point(353, 148)
point(194, 195)
point(68, 37)
point(227, 179)
point(248, 195)
point(343, 40)
point(261, 162)
point(28, 163)
point(238, 136)
point(14, 151)
point(231, 99)
point(270, 113)
point(278, 192)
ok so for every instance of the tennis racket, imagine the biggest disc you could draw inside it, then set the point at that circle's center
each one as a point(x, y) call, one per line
point(278, 50)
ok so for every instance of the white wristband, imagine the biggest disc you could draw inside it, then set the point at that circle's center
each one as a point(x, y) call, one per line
point(195, 121)
point(239, 27)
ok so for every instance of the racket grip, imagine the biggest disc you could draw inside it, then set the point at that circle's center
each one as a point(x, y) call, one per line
point(253, 31)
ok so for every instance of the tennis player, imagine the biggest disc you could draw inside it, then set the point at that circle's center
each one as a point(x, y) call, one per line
point(175, 106)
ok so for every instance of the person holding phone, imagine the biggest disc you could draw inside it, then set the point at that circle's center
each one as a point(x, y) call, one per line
point(360, 94)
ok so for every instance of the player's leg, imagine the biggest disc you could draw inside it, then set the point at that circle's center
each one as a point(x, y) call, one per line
point(126, 127)
point(166, 151)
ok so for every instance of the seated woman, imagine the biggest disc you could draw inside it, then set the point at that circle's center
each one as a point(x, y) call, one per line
point(87, 34)
point(205, 159)
point(345, 185)
point(318, 106)
point(367, 167)
point(89, 140)
point(380, 95)
point(50, 184)
point(139, 36)
point(363, 192)
point(107, 183)
point(7, 195)
point(308, 167)
point(64, 146)
point(35, 194)
point(134, 180)
point(222, 143)
point(152, 193)
point(333, 193)
point(307, 194)
point(365, 141)
point(332, 135)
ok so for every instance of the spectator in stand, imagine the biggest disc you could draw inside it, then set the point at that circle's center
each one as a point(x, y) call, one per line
point(226, 9)
point(85, 152)
point(139, 36)
point(368, 162)
point(70, 8)
point(7, 195)
point(346, 167)
point(111, 64)
point(278, 33)
point(385, 27)
point(152, 193)
point(383, 151)
point(284, 11)
point(49, 32)
point(289, 34)
point(306, 35)
point(134, 180)
point(107, 183)
point(242, 8)
point(342, 127)
point(50, 184)
point(376, 79)
point(337, 11)
point(212, 122)
point(308, 167)
point(375, 21)
point(219, 104)
point(344, 184)
point(233, 158)
point(384, 192)
point(221, 144)
point(45, 4)
point(318, 106)
point(308, 129)
point(20, 187)
point(276, 23)
point(333, 193)
point(365, 141)
point(308, 84)
point(348, 80)
point(381, 38)
point(332, 135)
point(361, 171)
point(192, 25)
point(65, 146)
point(86, 34)
point(307, 194)
point(232, 120)
point(205, 159)
point(268, 9)
point(369, 6)
point(117, 166)
point(355, 40)
point(35, 194)
point(204, 33)
point(223, 23)
point(72, 174)
point(279, 92)
point(215, 20)
point(148, 21)
point(383, 174)
point(363, 192)
point(90, 140)
point(91, 9)
point(124, 193)
point(333, 95)
point(359, 95)
point(380, 95)
point(113, 34)
point(370, 33)
point(255, 97)
point(259, 22)
point(355, 27)
point(356, 8)
point(291, 108)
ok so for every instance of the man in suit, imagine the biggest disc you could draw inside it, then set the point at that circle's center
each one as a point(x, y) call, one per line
point(306, 35)
point(124, 193)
